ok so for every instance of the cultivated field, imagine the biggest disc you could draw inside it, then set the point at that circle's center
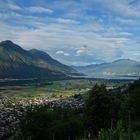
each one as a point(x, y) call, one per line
point(56, 88)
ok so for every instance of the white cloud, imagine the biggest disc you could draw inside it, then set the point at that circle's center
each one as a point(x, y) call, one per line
point(67, 21)
point(78, 52)
point(84, 50)
point(120, 42)
point(122, 8)
point(38, 9)
point(13, 6)
point(51, 37)
point(89, 38)
point(126, 21)
point(62, 52)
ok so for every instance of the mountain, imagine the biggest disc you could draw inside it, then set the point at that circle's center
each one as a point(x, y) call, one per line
point(51, 63)
point(15, 62)
point(119, 68)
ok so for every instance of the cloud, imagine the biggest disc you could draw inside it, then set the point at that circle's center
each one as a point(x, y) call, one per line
point(86, 31)
point(83, 51)
point(62, 52)
point(53, 36)
point(126, 21)
point(79, 52)
point(39, 9)
point(9, 6)
point(67, 21)
point(120, 42)
point(121, 8)
point(13, 6)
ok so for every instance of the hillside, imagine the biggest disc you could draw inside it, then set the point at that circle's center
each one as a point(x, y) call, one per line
point(16, 62)
point(119, 68)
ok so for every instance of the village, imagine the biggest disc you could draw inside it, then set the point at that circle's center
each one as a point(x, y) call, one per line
point(12, 110)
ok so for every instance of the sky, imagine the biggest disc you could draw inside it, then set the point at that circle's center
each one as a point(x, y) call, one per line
point(75, 32)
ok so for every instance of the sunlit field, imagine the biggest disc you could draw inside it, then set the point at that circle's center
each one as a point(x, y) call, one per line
point(57, 88)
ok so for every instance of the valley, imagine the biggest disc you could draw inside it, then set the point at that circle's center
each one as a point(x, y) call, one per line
point(34, 83)
point(55, 88)
point(69, 69)
point(16, 100)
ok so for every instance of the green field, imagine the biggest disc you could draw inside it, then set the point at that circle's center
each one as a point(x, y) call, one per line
point(56, 88)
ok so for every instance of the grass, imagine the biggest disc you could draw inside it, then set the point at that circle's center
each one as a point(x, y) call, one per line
point(57, 88)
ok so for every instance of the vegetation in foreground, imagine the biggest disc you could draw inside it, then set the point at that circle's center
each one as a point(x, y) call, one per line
point(107, 115)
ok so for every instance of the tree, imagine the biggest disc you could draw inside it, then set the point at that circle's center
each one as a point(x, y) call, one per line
point(131, 110)
point(56, 124)
point(118, 133)
point(101, 110)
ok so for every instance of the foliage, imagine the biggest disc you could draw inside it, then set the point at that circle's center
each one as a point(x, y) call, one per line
point(108, 115)
point(101, 109)
point(117, 133)
point(60, 124)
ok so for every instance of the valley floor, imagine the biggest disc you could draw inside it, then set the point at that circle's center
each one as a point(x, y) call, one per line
point(16, 100)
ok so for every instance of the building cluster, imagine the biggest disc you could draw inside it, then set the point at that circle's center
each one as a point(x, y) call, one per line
point(11, 110)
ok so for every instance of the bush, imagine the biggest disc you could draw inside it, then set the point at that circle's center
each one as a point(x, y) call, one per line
point(57, 124)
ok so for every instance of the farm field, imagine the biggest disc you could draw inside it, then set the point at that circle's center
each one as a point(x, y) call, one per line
point(57, 88)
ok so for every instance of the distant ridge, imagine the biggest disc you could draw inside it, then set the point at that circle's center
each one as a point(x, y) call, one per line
point(15, 62)
point(118, 68)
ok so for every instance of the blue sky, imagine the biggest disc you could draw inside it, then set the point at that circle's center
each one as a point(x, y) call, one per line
point(76, 32)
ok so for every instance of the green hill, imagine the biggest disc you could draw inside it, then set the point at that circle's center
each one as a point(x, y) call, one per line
point(16, 62)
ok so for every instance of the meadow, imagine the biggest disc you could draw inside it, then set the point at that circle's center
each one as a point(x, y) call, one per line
point(56, 88)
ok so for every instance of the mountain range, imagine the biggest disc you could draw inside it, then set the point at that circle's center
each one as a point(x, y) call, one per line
point(15, 62)
point(123, 68)
point(18, 63)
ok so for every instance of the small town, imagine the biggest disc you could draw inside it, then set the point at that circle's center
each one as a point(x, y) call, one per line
point(11, 111)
